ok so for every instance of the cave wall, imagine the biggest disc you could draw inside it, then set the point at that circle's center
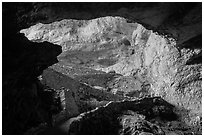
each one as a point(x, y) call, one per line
point(172, 67)
point(158, 59)
point(23, 105)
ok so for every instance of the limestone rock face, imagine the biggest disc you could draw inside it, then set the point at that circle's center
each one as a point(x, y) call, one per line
point(167, 64)
point(171, 70)
point(77, 32)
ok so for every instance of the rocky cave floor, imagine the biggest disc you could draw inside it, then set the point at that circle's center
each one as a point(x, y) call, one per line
point(117, 74)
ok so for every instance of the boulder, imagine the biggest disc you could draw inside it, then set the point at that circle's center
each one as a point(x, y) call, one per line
point(127, 117)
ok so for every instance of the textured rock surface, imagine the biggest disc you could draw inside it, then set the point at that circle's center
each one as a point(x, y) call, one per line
point(111, 41)
point(128, 117)
point(66, 31)
point(165, 63)
point(164, 17)
point(80, 97)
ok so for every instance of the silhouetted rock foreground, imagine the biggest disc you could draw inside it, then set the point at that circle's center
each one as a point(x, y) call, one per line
point(25, 103)
point(110, 65)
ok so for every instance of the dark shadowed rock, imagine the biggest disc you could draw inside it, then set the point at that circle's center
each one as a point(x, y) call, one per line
point(79, 97)
point(128, 117)
point(23, 62)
